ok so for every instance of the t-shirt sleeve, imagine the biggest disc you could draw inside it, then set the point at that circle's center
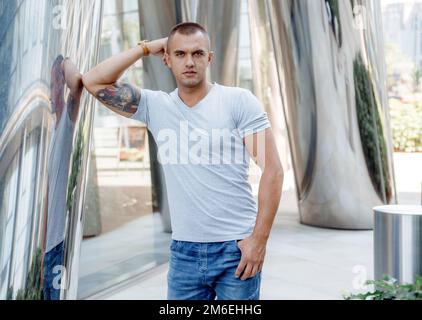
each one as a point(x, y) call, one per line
point(250, 116)
point(150, 102)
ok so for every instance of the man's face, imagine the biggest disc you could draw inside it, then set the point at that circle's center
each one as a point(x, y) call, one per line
point(188, 57)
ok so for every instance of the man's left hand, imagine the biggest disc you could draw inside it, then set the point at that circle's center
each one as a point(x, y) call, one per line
point(252, 260)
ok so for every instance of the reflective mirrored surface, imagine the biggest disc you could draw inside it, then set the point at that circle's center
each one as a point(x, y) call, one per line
point(127, 223)
point(330, 66)
point(45, 126)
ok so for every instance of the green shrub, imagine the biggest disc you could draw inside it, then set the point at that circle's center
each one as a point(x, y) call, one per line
point(389, 289)
point(406, 124)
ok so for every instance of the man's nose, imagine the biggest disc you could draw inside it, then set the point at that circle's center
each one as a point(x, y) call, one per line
point(189, 61)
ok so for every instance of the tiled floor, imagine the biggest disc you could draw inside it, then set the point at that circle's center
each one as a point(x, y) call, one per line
point(302, 262)
point(121, 254)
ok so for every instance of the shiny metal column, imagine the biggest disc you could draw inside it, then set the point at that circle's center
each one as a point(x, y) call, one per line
point(157, 75)
point(329, 65)
point(221, 19)
point(265, 81)
point(37, 34)
point(398, 242)
point(81, 41)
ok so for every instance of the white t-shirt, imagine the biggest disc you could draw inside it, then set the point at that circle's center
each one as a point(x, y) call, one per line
point(204, 159)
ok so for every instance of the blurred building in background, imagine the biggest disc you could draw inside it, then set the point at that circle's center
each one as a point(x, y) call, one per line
point(403, 46)
point(404, 27)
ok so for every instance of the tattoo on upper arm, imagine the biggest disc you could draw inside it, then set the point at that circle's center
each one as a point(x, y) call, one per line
point(121, 96)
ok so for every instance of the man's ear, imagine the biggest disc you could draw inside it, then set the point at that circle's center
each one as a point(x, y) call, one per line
point(166, 59)
point(210, 57)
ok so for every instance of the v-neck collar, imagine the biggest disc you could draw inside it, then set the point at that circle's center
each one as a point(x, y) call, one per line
point(197, 105)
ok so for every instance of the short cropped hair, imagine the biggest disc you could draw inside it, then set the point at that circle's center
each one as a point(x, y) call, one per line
point(187, 28)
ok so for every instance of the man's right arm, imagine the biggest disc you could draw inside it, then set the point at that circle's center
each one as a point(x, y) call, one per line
point(102, 80)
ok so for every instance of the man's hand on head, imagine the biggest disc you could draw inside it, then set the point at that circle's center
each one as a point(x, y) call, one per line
point(157, 47)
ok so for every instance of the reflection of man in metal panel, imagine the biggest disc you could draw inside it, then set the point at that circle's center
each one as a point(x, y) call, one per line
point(219, 237)
point(63, 72)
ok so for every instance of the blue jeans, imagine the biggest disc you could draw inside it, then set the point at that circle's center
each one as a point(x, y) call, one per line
point(52, 277)
point(204, 271)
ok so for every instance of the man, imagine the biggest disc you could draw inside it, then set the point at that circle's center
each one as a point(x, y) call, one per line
point(219, 239)
point(63, 73)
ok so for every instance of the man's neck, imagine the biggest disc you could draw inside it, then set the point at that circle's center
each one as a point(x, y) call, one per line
point(191, 96)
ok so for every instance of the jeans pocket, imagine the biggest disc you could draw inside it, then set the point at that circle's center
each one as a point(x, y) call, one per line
point(236, 243)
point(173, 245)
